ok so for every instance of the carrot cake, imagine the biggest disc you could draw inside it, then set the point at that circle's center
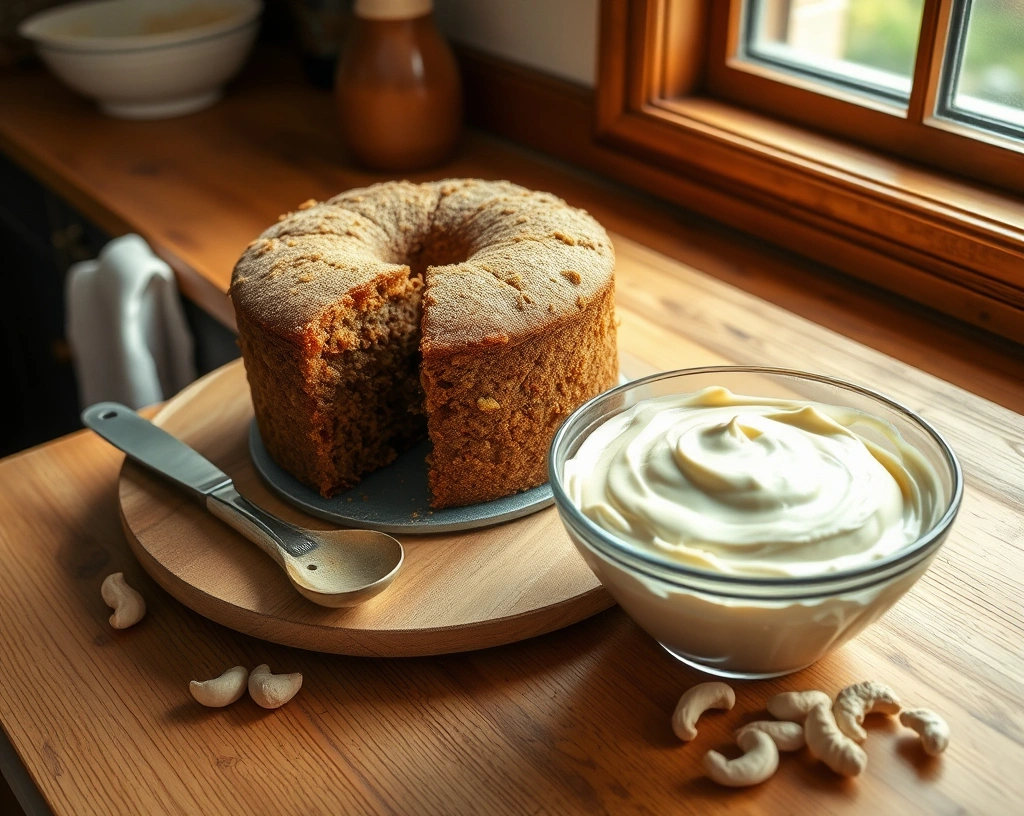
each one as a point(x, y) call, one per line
point(477, 312)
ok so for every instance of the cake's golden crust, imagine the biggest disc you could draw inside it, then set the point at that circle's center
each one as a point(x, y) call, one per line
point(499, 252)
point(492, 423)
point(518, 302)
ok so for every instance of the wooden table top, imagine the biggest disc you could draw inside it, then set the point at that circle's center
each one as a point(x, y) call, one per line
point(574, 721)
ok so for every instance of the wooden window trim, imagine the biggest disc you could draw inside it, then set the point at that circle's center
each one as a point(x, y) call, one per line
point(952, 244)
point(912, 133)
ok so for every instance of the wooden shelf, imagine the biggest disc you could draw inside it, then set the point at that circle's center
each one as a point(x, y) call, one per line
point(199, 188)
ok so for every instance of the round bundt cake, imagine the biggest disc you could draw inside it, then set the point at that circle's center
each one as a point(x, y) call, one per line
point(478, 312)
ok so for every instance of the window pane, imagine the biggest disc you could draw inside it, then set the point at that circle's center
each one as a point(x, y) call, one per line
point(867, 46)
point(986, 65)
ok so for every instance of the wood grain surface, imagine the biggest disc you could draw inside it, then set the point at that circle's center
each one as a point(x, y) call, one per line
point(575, 721)
point(572, 721)
point(455, 592)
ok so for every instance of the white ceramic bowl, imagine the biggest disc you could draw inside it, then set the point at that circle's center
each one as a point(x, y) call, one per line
point(751, 627)
point(146, 59)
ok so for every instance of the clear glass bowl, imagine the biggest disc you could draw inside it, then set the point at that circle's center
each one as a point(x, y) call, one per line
point(751, 627)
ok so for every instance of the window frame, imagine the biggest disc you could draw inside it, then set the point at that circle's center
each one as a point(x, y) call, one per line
point(953, 244)
point(944, 93)
point(915, 132)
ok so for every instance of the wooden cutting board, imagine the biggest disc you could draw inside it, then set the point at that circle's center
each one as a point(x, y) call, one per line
point(455, 592)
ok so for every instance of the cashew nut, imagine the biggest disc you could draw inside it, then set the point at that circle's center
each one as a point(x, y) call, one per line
point(695, 702)
point(933, 729)
point(787, 736)
point(858, 700)
point(795, 705)
point(128, 605)
point(831, 745)
point(272, 690)
point(220, 691)
point(759, 761)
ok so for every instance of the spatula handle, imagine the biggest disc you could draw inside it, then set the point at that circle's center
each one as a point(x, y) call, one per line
point(154, 448)
point(157, 450)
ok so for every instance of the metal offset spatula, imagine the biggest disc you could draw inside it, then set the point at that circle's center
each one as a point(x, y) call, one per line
point(331, 568)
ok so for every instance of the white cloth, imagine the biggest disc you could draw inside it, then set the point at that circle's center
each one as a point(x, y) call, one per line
point(129, 339)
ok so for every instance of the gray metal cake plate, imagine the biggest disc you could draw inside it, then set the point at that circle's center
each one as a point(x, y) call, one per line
point(394, 499)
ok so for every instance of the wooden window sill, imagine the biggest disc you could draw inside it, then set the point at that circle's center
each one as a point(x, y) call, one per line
point(947, 243)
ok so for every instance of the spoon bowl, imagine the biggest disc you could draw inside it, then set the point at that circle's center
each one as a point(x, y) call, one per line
point(347, 567)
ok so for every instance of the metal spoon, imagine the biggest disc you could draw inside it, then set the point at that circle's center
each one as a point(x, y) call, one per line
point(331, 568)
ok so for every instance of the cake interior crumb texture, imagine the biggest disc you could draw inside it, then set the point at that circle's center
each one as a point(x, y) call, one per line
point(479, 313)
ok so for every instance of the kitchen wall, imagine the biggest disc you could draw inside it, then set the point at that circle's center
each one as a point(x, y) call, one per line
point(558, 37)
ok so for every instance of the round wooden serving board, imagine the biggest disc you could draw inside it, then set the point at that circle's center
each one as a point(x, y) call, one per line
point(455, 592)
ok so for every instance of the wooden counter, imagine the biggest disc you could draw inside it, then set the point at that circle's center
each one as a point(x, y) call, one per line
point(575, 721)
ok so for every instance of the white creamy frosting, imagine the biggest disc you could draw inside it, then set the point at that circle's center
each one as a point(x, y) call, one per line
point(754, 486)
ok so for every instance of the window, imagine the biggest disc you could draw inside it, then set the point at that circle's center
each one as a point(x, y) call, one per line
point(869, 48)
point(983, 78)
point(936, 81)
point(881, 137)
point(865, 46)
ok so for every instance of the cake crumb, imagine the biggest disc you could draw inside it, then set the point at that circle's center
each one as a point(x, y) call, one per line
point(305, 277)
point(488, 404)
point(291, 242)
point(309, 202)
point(581, 302)
point(515, 281)
point(521, 219)
point(551, 308)
point(565, 239)
point(572, 276)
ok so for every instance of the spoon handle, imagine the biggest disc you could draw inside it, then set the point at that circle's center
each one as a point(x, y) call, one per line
point(269, 533)
point(154, 448)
